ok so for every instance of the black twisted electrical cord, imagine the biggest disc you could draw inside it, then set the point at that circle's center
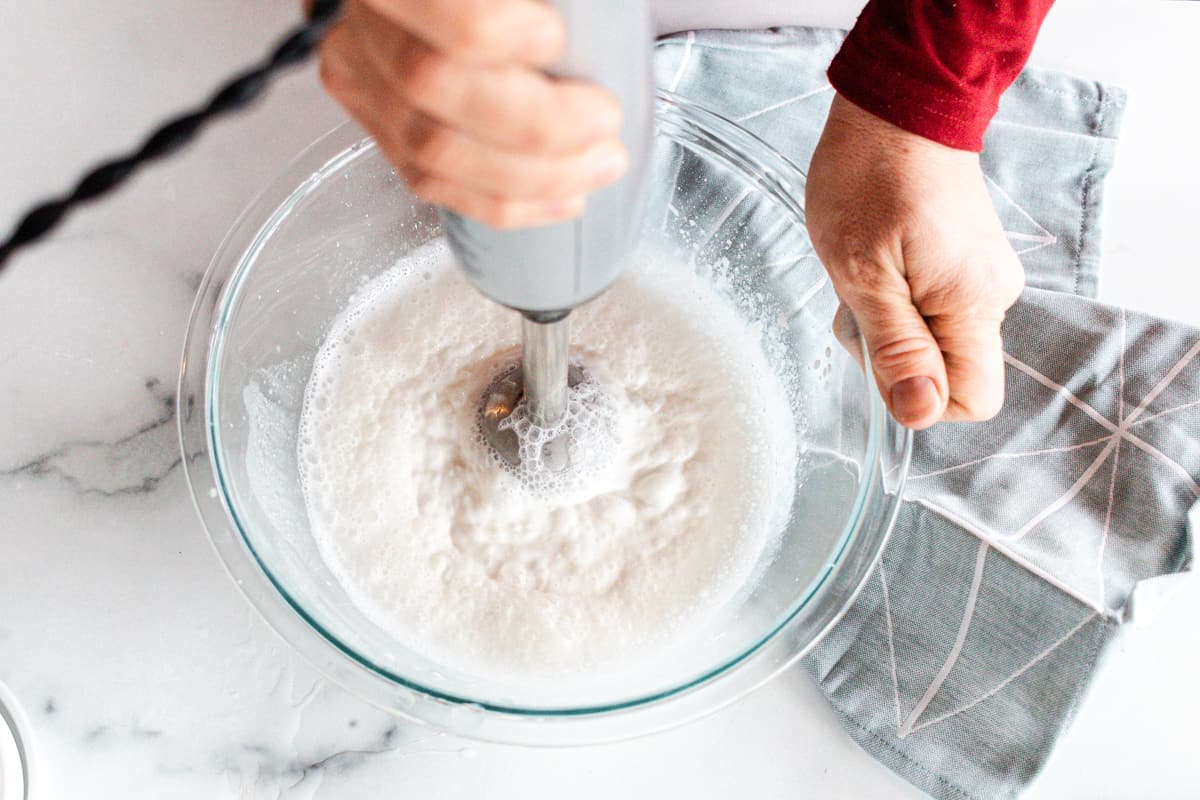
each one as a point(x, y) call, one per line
point(236, 93)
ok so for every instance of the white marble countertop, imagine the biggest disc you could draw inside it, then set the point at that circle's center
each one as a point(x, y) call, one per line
point(145, 672)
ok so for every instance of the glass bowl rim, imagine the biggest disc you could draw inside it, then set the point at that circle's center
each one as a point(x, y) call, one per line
point(199, 431)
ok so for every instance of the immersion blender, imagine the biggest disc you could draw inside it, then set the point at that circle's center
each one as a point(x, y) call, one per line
point(541, 272)
point(545, 272)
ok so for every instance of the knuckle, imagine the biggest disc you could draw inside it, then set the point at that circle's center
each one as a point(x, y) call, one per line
point(533, 120)
point(431, 146)
point(843, 239)
point(861, 269)
point(335, 77)
point(426, 77)
point(904, 354)
point(477, 31)
point(535, 136)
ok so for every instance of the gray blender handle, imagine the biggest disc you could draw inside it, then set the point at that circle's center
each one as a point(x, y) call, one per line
point(548, 270)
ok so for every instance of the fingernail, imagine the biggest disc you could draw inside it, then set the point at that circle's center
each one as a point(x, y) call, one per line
point(609, 162)
point(914, 399)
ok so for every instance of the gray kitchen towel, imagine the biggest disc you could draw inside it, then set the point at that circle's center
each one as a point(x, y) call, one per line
point(1025, 542)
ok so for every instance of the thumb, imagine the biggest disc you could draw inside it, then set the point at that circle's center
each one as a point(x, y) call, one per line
point(904, 355)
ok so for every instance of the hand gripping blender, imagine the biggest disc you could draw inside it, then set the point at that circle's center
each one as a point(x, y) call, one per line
point(545, 272)
point(541, 272)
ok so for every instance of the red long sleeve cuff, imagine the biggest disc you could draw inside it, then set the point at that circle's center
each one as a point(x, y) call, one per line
point(937, 68)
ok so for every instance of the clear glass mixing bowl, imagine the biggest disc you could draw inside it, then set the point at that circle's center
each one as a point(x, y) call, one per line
point(730, 207)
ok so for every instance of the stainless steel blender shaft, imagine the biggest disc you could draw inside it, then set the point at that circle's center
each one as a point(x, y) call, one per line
point(545, 271)
point(544, 379)
point(544, 369)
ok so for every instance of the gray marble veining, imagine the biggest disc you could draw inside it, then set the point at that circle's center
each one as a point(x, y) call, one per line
point(144, 671)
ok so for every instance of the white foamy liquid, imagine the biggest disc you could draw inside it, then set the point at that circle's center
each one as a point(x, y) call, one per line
point(458, 562)
point(588, 430)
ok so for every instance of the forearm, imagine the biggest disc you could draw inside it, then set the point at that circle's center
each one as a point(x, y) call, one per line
point(937, 68)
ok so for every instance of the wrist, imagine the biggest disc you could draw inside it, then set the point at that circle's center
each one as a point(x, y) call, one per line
point(872, 131)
